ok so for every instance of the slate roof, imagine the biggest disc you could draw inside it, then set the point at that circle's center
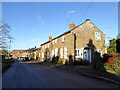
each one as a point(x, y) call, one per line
point(65, 32)
point(16, 51)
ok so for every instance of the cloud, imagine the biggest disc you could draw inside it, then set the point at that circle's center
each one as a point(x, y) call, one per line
point(40, 19)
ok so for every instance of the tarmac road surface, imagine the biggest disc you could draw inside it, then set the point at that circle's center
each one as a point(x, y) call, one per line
point(24, 75)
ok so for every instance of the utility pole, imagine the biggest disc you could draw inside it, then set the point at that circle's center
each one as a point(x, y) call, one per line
point(9, 48)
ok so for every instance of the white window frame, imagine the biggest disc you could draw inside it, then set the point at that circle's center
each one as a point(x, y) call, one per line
point(55, 40)
point(48, 45)
point(61, 52)
point(78, 54)
point(65, 52)
point(42, 55)
point(97, 36)
point(43, 47)
point(35, 55)
point(63, 38)
point(52, 53)
point(56, 52)
point(39, 54)
point(47, 55)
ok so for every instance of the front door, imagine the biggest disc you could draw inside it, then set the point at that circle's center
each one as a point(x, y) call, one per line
point(85, 54)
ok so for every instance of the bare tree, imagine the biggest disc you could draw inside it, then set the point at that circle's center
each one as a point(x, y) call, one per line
point(5, 37)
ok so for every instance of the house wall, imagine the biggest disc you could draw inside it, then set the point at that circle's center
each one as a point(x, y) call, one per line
point(85, 36)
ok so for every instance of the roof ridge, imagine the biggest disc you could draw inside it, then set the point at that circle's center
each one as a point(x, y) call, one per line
point(66, 32)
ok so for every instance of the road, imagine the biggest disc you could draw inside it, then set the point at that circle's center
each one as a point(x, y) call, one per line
point(24, 75)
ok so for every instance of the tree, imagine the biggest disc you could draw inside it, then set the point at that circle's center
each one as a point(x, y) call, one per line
point(5, 37)
point(112, 47)
point(4, 52)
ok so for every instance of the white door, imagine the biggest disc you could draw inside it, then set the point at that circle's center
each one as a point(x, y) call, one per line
point(85, 54)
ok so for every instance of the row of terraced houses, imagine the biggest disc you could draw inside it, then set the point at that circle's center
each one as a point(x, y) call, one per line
point(79, 42)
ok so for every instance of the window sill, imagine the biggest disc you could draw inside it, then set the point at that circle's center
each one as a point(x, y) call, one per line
point(77, 56)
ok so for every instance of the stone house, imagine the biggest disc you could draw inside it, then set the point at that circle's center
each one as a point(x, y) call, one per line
point(17, 53)
point(80, 42)
point(31, 53)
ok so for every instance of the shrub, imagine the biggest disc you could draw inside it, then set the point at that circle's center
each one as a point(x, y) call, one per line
point(108, 67)
point(55, 59)
point(81, 62)
point(98, 62)
point(113, 62)
point(76, 62)
point(85, 62)
point(7, 61)
point(116, 63)
point(60, 62)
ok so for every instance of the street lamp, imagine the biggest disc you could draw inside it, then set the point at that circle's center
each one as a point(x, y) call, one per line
point(68, 16)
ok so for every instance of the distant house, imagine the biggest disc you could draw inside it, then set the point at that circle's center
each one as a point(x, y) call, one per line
point(80, 42)
point(31, 53)
point(17, 53)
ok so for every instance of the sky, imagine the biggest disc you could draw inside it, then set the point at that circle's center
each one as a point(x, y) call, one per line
point(33, 22)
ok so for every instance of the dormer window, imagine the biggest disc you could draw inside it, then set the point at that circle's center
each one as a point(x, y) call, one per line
point(63, 38)
point(97, 36)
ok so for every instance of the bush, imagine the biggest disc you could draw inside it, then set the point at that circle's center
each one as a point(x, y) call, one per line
point(7, 61)
point(108, 67)
point(98, 62)
point(113, 62)
point(116, 63)
point(85, 62)
point(81, 62)
point(76, 63)
point(60, 62)
point(55, 59)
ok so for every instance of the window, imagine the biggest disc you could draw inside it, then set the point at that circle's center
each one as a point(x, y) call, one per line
point(43, 47)
point(47, 55)
point(97, 36)
point(35, 55)
point(65, 52)
point(48, 45)
point(55, 40)
point(61, 52)
point(42, 55)
point(52, 53)
point(39, 54)
point(63, 38)
point(77, 53)
point(56, 52)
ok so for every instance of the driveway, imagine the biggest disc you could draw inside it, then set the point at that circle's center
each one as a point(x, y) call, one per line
point(24, 75)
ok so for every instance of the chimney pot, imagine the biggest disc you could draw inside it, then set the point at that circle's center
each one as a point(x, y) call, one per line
point(71, 25)
point(50, 38)
point(87, 19)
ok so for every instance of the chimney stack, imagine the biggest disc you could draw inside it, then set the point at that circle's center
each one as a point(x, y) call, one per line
point(50, 38)
point(87, 19)
point(71, 26)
